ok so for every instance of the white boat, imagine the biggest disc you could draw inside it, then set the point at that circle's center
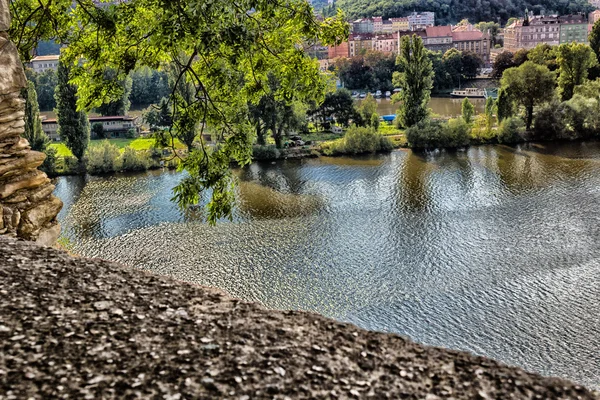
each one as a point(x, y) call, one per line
point(468, 92)
point(378, 94)
point(388, 94)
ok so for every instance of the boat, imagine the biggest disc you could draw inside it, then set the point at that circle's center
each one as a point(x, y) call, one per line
point(468, 92)
point(378, 94)
point(388, 94)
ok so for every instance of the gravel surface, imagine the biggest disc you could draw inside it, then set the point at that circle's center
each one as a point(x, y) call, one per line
point(88, 329)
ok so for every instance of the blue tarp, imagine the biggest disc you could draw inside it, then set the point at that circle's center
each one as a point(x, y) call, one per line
point(389, 118)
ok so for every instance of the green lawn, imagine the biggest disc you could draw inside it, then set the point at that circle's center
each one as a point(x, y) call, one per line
point(136, 144)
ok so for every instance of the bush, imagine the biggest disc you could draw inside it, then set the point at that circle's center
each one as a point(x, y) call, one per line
point(134, 161)
point(49, 165)
point(511, 130)
point(103, 159)
point(456, 132)
point(269, 152)
point(98, 131)
point(431, 134)
point(131, 134)
point(358, 140)
point(550, 120)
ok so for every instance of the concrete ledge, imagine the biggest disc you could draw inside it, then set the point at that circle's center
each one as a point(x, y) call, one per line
point(83, 328)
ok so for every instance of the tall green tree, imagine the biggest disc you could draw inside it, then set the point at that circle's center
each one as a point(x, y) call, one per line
point(504, 105)
point(338, 105)
point(33, 125)
point(471, 64)
point(415, 80)
point(502, 62)
point(230, 49)
point(367, 108)
point(529, 85)
point(45, 85)
point(74, 127)
point(467, 110)
point(594, 39)
point(543, 54)
point(574, 60)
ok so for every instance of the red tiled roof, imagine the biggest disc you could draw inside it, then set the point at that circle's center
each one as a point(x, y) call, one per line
point(438, 31)
point(466, 36)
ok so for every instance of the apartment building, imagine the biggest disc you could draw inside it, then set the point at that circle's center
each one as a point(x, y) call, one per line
point(363, 25)
point(438, 38)
point(421, 20)
point(114, 126)
point(400, 24)
point(42, 63)
point(528, 32)
point(573, 28)
point(473, 41)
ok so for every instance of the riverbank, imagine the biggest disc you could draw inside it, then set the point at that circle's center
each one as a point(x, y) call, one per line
point(77, 327)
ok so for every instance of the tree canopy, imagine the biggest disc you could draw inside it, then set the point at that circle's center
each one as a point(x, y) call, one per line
point(224, 49)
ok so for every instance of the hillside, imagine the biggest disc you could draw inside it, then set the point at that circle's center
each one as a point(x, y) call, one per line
point(452, 11)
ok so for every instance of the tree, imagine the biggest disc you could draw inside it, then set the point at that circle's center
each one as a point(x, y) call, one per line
point(468, 110)
point(45, 85)
point(161, 116)
point(148, 86)
point(594, 39)
point(520, 57)
point(33, 125)
point(490, 104)
point(529, 85)
point(98, 130)
point(471, 64)
point(453, 66)
point(367, 108)
point(230, 48)
point(120, 105)
point(338, 105)
point(74, 127)
point(491, 28)
point(543, 54)
point(503, 62)
point(415, 81)
point(574, 60)
point(504, 105)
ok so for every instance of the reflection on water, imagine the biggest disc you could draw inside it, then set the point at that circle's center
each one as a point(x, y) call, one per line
point(444, 106)
point(492, 250)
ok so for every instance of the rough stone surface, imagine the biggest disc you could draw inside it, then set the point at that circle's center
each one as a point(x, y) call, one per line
point(28, 207)
point(82, 328)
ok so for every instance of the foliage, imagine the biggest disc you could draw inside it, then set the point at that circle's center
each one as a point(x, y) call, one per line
point(375, 121)
point(120, 105)
point(574, 60)
point(415, 80)
point(338, 106)
point(490, 106)
point(543, 54)
point(103, 159)
point(74, 127)
point(98, 130)
point(528, 85)
point(456, 133)
point(269, 152)
point(451, 12)
point(594, 39)
point(504, 105)
point(148, 86)
point(132, 160)
point(370, 71)
point(503, 62)
point(49, 164)
point(367, 108)
point(33, 125)
point(467, 110)
point(45, 85)
point(358, 140)
point(160, 116)
point(471, 64)
point(511, 130)
point(520, 57)
point(427, 134)
point(551, 121)
point(491, 28)
point(226, 50)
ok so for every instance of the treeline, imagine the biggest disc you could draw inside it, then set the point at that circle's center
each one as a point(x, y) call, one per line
point(373, 71)
point(452, 11)
point(143, 87)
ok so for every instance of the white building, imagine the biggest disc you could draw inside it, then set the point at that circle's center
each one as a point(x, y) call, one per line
point(421, 20)
point(114, 126)
point(43, 63)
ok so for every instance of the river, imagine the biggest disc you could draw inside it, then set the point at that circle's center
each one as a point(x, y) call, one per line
point(494, 250)
point(444, 106)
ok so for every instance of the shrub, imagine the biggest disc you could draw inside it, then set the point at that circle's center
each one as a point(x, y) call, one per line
point(133, 160)
point(550, 120)
point(49, 165)
point(358, 140)
point(98, 131)
point(103, 158)
point(511, 130)
point(131, 134)
point(375, 121)
point(426, 134)
point(269, 152)
point(456, 132)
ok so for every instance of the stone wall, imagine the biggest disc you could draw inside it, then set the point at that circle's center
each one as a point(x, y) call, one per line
point(27, 207)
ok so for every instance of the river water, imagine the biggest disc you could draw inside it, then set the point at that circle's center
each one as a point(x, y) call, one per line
point(444, 106)
point(494, 250)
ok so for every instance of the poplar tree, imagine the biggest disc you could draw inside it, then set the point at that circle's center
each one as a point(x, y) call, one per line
point(33, 125)
point(74, 127)
point(467, 110)
point(415, 79)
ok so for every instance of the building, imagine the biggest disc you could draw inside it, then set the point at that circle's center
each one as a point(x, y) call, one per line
point(363, 25)
point(341, 50)
point(438, 38)
point(360, 43)
point(386, 43)
point(43, 63)
point(593, 17)
point(421, 20)
point(473, 41)
point(400, 24)
point(114, 126)
point(530, 31)
point(573, 28)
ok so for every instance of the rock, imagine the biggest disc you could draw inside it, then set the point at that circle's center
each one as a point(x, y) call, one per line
point(4, 16)
point(28, 180)
point(48, 236)
point(34, 218)
point(12, 78)
point(32, 159)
